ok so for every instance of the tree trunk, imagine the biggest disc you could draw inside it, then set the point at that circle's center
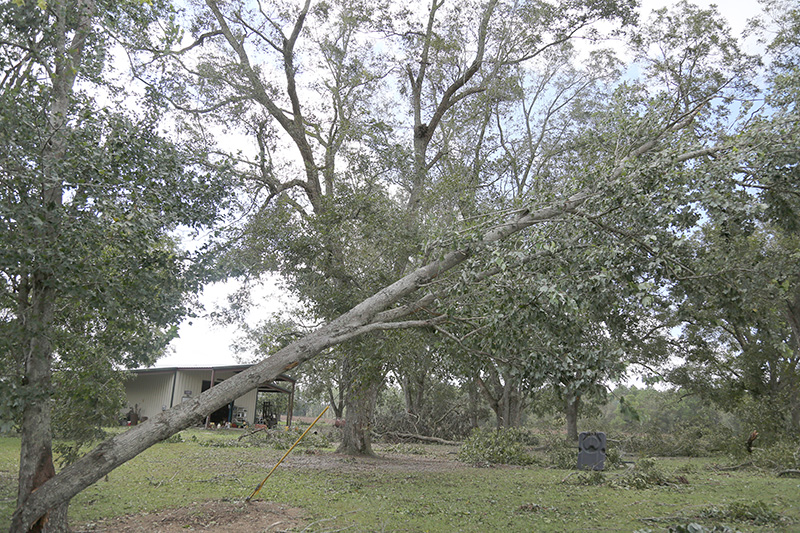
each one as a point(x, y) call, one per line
point(490, 395)
point(414, 390)
point(36, 451)
point(360, 399)
point(472, 391)
point(37, 300)
point(571, 410)
point(513, 402)
point(503, 397)
point(338, 407)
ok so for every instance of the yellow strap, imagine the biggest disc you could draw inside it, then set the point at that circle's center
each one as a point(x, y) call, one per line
point(286, 454)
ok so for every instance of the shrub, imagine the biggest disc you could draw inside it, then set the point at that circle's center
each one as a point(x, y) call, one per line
point(613, 458)
point(645, 474)
point(590, 478)
point(561, 454)
point(486, 447)
point(779, 456)
point(756, 512)
point(684, 441)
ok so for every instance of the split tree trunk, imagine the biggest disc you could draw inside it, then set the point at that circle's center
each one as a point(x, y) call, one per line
point(414, 391)
point(338, 407)
point(503, 397)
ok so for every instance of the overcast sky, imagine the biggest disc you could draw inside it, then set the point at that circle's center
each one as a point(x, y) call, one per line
point(202, 343)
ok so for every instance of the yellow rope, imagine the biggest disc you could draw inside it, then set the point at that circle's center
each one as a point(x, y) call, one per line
point(285, 455)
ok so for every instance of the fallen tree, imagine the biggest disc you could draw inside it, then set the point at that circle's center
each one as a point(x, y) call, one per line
point(423, 438)
point(382, 311)
point(374, 313)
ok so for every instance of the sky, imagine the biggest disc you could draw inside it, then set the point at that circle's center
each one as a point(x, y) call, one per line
point(202, 343)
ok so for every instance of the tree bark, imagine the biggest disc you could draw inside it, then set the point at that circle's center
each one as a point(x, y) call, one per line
point(338, 407)
point(472, 391)
point(36, 450)
point(503, 397)
point(413, 384)
point(571, 408)
point(37, 301)
point(360, 399)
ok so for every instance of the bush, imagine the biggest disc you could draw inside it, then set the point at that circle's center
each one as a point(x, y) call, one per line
point(561, 454)
point(756, 512)
point(590, 478)
point(613, 458)
point(780, 456)
point(487, 446)
point(684, 441)
point(644, 475)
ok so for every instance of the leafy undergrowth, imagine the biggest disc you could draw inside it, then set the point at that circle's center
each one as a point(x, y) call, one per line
point(644, 474)
point(486, 447)
point(337, 493)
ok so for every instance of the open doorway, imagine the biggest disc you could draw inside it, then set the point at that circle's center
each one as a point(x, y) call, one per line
point(223, 414)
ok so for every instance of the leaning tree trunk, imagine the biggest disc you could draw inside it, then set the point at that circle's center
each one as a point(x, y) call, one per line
point(338, 407)
point(571, 411)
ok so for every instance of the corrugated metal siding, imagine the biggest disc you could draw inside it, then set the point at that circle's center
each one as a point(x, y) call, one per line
point(190, 380)
point(248, 401)
point(154, 391)
point(150, 392)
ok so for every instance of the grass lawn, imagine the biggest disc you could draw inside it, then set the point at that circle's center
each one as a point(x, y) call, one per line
point(424, 491)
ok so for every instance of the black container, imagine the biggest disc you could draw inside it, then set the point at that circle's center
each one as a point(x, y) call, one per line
point(591, 450)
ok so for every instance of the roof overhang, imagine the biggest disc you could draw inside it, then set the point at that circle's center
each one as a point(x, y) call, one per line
point(267, 386)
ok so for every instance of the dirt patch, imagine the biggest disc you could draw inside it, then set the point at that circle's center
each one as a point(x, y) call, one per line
point(212, 516)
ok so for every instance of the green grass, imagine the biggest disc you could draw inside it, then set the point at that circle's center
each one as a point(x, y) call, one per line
point(462, 499)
